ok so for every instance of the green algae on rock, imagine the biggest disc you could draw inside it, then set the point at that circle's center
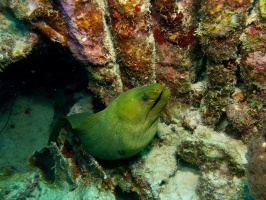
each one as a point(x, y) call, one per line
point(262, 6)
point(124, 128)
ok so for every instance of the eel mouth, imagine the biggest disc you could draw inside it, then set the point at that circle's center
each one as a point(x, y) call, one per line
point(157, 100)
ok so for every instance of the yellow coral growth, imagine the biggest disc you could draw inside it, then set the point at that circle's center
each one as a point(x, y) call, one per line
point(263, 8)
point(92, 19)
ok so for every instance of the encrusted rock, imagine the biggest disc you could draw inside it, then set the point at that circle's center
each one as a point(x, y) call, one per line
point(163, 172)
point(221, 161)
point(256, 167)
point(16, 40)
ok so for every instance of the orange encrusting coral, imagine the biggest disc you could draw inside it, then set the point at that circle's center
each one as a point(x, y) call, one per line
point(134, 41)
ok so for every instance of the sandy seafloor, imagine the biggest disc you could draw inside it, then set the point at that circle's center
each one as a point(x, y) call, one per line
point(30, 114)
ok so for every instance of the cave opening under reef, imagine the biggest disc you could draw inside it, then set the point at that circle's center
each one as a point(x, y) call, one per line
point(51, 69)
point(34, 92)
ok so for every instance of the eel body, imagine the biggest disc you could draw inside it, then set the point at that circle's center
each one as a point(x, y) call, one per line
point(122, 129)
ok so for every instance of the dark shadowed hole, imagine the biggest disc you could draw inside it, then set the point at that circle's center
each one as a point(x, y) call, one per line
point(113, 164)
point(221, 124)
point(45, 162)
point(47, 70)
point(239, 80)
point(184, 164)
point(264, 134)
point(122, 195)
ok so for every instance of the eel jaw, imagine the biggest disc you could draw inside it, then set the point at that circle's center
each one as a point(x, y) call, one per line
point(157, 100)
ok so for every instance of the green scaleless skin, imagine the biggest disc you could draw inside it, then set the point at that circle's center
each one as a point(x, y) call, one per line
point(124, 128)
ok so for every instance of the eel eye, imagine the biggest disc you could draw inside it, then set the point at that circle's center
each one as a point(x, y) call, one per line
point(145, 98)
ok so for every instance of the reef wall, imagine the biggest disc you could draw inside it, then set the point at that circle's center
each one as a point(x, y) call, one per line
point(209, 53)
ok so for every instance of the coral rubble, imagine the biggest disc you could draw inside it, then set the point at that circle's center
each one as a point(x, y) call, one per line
point(62, 176)
point(221, 160)
point(161, 169)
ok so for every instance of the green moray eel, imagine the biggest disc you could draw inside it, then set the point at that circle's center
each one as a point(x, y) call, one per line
point(122, 129)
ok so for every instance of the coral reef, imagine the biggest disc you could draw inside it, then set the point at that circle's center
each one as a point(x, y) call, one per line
point(235, 93)
point(256, 167)
point(178, 58)
point(210, 53)
point(220, 28)
point(219, 32)
point(221, 82)
point(124, 44)
point(131, 27)
point(252, 69)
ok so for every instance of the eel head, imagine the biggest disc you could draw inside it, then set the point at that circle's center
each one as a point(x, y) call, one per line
point(142, 103)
